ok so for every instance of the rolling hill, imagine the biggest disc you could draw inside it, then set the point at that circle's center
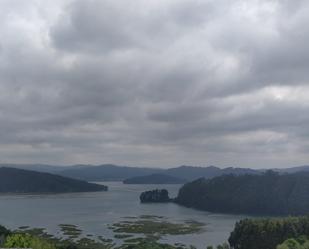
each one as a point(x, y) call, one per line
point(107, 172)
point(14, 180)
point(110, 172)
point(191, 173)
point(269, 193)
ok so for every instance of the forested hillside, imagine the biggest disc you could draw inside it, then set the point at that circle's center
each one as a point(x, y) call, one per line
point(26, 181)
point(269, 193)
point(268, 233)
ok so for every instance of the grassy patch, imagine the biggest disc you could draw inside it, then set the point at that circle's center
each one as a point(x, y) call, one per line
point(39, 232)
point(71, 231)
point(86, 243)
point(147, 241)
point(104, 240)
point(135, 240)
point(156, 226)
point(150, 217)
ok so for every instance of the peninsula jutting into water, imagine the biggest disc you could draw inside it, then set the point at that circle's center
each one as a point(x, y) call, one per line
point(25, 181)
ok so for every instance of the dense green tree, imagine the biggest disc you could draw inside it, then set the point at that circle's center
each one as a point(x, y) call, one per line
point(267, 233)
point(27, 241)
point(299, 243)
point(223, 246)
point(3, 233)
point(157, 195)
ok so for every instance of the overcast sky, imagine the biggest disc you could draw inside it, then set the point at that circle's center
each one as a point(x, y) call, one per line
point(155, 82)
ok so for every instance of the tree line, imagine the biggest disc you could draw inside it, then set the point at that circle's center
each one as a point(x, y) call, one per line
point(269, 193)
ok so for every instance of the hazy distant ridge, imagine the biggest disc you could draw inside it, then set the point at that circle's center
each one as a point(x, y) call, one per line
point(154, 179)
point(110, 172)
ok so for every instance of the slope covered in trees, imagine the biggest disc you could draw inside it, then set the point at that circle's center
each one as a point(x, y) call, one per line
point(191, 173)
point(269, 193)
point(268, 233)
point(26, 181)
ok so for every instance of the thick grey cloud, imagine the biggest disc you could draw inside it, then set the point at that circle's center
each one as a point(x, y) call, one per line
point(155, 83)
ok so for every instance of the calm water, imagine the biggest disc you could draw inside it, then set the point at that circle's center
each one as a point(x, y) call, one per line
point(94, 211)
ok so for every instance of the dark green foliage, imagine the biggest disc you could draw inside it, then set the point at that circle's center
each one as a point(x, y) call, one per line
point(3, 233)
point(154, 179)
point(26, 181)
point(41, 240)
point(157, 195)
point(223, 246)
point(299, 243)
point(191, 173)
point(290, 244)
point(267, 233)
point(27, 241)
point(269, 193)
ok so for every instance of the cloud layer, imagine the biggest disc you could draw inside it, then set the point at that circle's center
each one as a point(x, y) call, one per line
point(155, 83)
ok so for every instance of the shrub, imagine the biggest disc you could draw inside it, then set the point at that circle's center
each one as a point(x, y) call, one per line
point(27, 241)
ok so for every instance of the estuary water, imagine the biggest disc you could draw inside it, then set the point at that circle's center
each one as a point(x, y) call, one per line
point(94, 212)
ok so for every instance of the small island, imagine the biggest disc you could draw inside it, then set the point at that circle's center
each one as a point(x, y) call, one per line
point(26, 181)
point(155, 196)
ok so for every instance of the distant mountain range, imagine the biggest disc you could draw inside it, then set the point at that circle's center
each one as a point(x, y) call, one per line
point(154, 179)
point(34, 167)
point(304, 168)
point(191, 173)
point(14, 180)
point(110, 172)
point(107, 172)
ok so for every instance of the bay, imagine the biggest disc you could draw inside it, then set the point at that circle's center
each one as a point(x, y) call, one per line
point(95, 212)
